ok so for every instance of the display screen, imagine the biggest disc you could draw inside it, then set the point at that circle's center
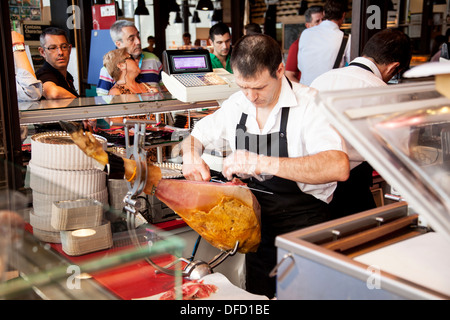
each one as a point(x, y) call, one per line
point(187, 61)
point(190, 64)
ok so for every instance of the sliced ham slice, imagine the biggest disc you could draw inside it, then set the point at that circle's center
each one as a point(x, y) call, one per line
point(191, 290)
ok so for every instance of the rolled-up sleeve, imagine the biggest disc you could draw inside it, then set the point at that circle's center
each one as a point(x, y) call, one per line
point(28, 87)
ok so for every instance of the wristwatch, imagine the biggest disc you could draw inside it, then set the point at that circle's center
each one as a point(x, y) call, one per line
point(18, 47)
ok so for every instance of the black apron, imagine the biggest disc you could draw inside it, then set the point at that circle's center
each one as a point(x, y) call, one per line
point(288, 209)
point(354, 195)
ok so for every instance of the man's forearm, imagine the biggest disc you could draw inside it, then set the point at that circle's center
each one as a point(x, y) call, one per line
point(191, 147)
point(52, 91)
point(324, 167)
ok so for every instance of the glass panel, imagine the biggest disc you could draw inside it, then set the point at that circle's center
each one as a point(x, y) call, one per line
point(61, 239)
point(402, 130)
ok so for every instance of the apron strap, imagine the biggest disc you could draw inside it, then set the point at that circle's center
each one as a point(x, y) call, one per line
point(283, 132)
point(363, 66)
point(241, 125)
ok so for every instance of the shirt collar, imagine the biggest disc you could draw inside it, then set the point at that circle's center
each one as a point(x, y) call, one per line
point(370, 64)
point(329, 24)
point(287, 98)
point(49, 66)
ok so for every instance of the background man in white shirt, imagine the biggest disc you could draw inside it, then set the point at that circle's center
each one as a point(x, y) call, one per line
point(280, 140)
point(386, 54)
point(319, 46)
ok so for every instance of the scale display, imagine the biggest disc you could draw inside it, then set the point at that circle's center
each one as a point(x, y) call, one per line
point(187, 61)
point(190, 63)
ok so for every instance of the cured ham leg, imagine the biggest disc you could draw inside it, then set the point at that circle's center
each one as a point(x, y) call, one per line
point(222, 213)
point(92, 148)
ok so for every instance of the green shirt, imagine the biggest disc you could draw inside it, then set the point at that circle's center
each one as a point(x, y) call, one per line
point(217, 64)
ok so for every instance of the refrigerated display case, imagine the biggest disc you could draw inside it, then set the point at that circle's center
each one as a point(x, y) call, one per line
point(398, 251)
point(113, 264)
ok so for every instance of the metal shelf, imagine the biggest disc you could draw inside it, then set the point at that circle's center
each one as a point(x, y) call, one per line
point(47, 111)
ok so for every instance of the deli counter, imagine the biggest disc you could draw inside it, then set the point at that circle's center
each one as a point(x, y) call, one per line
point(400, 250)
point(78, 240)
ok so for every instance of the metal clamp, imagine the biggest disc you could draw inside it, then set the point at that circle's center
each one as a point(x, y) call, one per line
point(274, 271)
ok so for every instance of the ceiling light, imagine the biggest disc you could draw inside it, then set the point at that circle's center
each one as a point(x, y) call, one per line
point(217, 15)
point(205, 5)
point(196, 18)
point(178, 18)
point(173, 6)
point(141, 9)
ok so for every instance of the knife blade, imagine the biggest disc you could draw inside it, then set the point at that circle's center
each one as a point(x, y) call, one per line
point(246, 187)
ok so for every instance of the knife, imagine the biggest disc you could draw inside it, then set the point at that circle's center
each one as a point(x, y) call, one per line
point(246, 187)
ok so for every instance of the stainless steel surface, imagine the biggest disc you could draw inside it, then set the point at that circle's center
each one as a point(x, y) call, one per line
point(170, 170)
point(358, 116)
point(383, 125)
point(320, 273)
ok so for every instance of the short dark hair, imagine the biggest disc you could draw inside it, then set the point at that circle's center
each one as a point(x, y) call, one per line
point(334, 9)
point(52, 31)
point(389, 45)
point(219, 29)
point(254, 53)
point(252, 28)
point(310, 11)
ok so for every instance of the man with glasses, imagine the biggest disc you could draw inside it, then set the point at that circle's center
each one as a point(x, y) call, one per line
point(57, 81)
point(124, 34)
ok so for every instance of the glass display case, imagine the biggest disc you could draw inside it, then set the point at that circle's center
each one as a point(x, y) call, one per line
point(63, 241)
point(46, 111)
point(398, 251)
point(69, 241)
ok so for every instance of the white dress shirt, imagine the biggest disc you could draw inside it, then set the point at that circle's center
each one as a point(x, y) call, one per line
point(318, 48)
point(308, 131)
point(351, 77)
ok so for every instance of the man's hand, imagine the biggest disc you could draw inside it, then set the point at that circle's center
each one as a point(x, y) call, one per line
point(244, 164)
point(195, 168)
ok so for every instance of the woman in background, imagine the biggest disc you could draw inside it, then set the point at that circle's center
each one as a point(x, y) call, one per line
point(124, 70)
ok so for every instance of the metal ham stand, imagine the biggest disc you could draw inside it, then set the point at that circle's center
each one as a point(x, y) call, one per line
point(194, 269)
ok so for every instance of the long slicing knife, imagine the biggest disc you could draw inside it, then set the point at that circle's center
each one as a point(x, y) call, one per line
point(253, 189)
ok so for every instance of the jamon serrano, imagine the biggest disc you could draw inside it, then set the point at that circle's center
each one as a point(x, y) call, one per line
point(221, 213)
point(191, 290)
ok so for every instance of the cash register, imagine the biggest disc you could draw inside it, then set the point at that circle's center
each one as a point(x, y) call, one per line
point(189, 76)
